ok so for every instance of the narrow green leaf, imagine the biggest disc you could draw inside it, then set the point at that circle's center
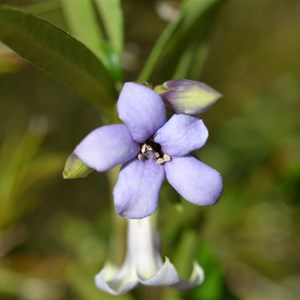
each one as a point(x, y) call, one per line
point(58, 54)
point(213, 286)
point(112, 20)
point(190, 63)
point(158, 48)
point(44, 7)
point(111, 12)
point(191, 27)
point(83, 23)
point(82, 20)
point(21, 166)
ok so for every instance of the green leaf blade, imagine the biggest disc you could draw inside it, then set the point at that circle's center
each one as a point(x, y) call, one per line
point(188, 32)
point(82, 20)
point(78, 13)
point(112, 17)
point(58, 54)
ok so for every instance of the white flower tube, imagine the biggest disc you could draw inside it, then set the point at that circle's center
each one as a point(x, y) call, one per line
point(143, 263)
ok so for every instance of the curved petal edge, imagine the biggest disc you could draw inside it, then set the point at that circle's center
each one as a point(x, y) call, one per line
point(181, 135)
point(106, 147)
point(136, 192)
point(196, 278)
point(116, 281)
point(194, 181)
point(142, 110)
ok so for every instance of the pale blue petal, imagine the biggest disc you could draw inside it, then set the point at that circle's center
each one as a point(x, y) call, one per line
point(117, 281)
point(142, 110)
point(136, 193)
point(181, 135)
point(194, 181)
point(196, 278)
point(166, 275)
point(106, 147)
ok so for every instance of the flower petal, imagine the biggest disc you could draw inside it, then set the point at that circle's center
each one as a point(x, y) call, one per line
point(137, 190)
point(143, 245)
point(106, 147)
point(196, 278)
point(142, 110)
point(181, 135)
point(194, 180)
point(165, 276)
point(117, 281)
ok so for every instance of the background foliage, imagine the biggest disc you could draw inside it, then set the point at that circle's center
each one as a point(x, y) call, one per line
point(55, 234)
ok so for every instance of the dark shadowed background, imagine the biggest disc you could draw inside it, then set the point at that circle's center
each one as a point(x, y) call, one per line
point(55, 234)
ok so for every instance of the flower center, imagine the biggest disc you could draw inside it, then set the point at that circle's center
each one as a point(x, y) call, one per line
point(151, 150)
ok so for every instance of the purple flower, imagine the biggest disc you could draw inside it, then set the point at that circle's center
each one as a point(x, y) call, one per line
point(151, 148)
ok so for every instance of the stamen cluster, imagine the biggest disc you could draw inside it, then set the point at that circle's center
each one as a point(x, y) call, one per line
point(151, 150)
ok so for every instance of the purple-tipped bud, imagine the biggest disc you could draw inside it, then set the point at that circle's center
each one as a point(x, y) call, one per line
point(185, 96)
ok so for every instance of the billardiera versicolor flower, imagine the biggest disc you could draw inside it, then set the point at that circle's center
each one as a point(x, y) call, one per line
point(143, 264)
point(151, 148)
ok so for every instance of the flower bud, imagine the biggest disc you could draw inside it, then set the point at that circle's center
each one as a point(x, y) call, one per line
point(185, 96)
point(75, 168)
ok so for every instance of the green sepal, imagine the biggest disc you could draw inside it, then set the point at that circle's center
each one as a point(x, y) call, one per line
point(75, 168)
point(160, 89)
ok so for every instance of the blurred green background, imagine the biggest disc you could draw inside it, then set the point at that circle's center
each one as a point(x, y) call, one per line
point(55, 234)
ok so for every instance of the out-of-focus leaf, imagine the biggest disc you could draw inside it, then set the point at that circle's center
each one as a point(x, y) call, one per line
point(179, 220)
point(186, 253)
point(158, 49)
point(112, 19)
point(44, 7)
point(10, 62)
point(10, 282)
point(191, 27)
point(191, 62)
point(11, 163)
point(16, 285)
point(20, 169)
point(183, 258)
point(58, 54)
point(213, 285)
point(82, 20)
point(81, 280)
point(112, 16)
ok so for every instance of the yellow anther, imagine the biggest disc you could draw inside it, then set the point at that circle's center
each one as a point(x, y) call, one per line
point(160, 161)
point(166, 157)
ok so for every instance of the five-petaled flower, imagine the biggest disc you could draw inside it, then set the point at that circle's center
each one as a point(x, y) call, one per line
point(143, 264)
point(151, 148)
